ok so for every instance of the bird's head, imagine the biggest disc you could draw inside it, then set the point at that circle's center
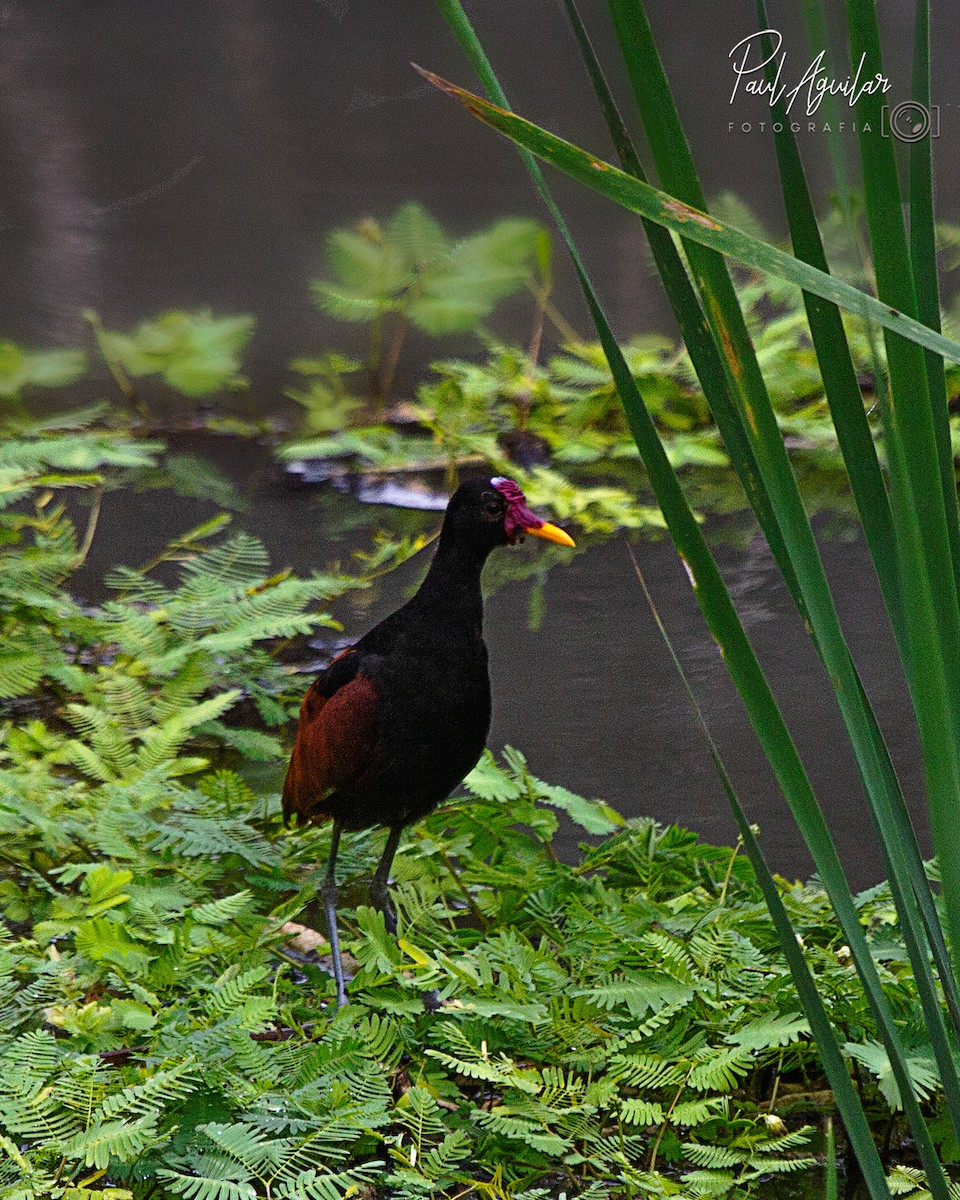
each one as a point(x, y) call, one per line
point(494, 512)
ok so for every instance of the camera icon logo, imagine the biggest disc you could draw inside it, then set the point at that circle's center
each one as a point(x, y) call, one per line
point(910, 121)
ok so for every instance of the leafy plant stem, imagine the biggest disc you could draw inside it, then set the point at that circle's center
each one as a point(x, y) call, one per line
point(830, 1160)
point(451, 866)
point(374, 359)
point(91, 529)
point(536, 338)
point(393, 357)
point(115, 367)
point(556, 318)
point(655, 1148)
point(733, 855)
point(776, 1083)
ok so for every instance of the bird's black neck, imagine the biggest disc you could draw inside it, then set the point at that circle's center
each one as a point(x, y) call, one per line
point(453, 582)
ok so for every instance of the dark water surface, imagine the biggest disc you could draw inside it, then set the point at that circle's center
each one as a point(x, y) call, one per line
point(185, 155)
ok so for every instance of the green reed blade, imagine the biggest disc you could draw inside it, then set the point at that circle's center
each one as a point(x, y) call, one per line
point(815, 24)
point(695, 225)
point(710, 590)
point(709, 369)
point(923, 255)
point(693, 325)
point(836, 367)
point(857, 446)
point(679, 176)
point(920, 506)
point(845, 1095)
point(691, 223)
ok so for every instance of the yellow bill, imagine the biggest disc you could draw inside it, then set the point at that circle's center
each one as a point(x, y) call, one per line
point(550, 533)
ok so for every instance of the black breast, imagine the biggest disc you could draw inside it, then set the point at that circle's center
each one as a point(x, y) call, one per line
point(434, 717)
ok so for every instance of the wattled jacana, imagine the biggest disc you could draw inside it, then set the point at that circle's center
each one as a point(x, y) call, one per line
point(394, 723)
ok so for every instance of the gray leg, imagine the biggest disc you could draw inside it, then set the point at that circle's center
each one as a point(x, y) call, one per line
point(379, 892)
point(329, 893)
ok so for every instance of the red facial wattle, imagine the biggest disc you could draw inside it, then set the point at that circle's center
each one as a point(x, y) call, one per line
point(520, 519)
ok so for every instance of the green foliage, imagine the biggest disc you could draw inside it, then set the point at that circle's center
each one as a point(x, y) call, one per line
point(591, 1020)
point(409, 266)
point(21, 369)
point(327, 403)
point(915, 558)
point(161, 1035)
point(66, 451)
point(410, 272)
point(515, 407)
point(624, 1020)
point(196, 353)
point(565, 404)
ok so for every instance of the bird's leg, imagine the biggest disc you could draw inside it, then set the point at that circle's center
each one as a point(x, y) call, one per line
point(379, 892)
point(329, 893)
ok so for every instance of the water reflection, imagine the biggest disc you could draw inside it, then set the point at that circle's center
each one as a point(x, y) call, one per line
point(51, 216)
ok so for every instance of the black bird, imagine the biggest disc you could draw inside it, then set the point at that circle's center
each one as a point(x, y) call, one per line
point(395, 722)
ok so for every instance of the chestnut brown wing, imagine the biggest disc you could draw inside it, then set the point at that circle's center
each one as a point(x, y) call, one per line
point(336, 737)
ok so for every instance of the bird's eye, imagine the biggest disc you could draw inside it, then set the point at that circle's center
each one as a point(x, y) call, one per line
point(492, 508)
